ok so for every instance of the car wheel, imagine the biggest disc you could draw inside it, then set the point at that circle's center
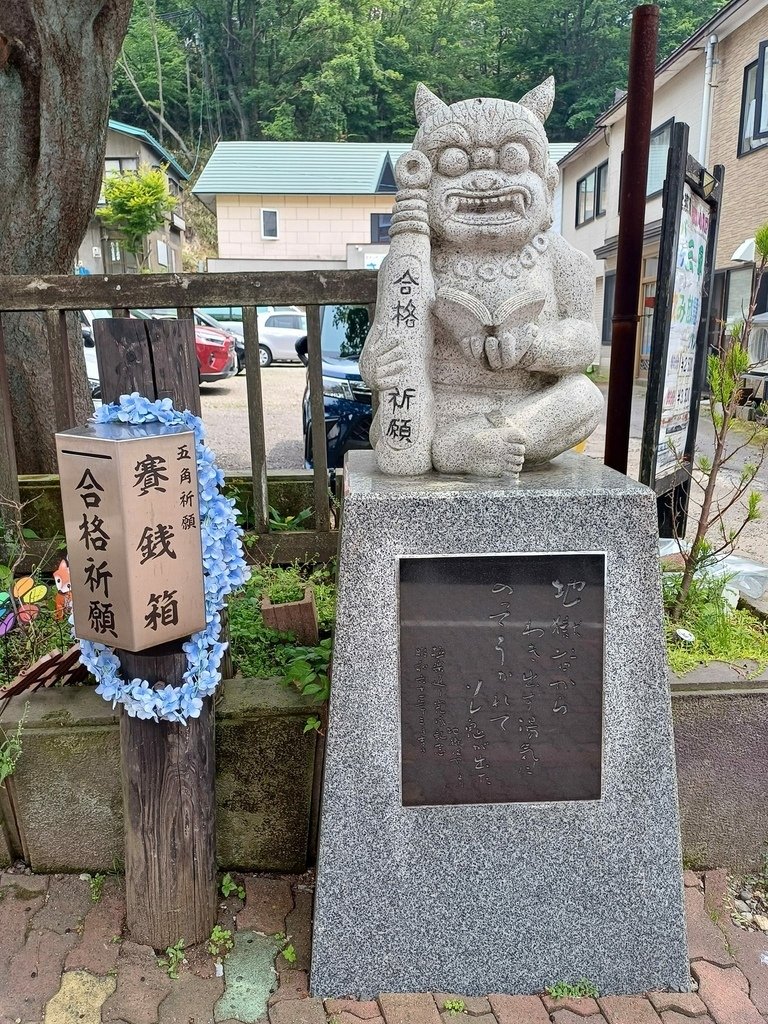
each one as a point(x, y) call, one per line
point(265, 356)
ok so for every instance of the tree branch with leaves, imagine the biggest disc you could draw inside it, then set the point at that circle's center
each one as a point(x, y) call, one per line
point(726, 370)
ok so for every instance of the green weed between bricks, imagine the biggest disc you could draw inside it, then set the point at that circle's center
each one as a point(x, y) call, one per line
point(220, 942)
point(174, 958)
point(229, 887)
point(577, 990)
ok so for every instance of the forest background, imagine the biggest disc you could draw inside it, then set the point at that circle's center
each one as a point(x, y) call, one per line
point(346, 70)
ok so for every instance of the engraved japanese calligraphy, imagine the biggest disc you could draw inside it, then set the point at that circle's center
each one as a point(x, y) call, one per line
point(501, 671)
point(132, 520)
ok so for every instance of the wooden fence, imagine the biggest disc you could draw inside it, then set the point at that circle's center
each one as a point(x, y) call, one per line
point(54, 296)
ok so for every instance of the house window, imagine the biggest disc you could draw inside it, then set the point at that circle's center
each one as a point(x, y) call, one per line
point(380, 223)
point(118, 165)
point(591, 194)
point(661, 138)
point(753, 130)
point(601, 192)
point(269, 224)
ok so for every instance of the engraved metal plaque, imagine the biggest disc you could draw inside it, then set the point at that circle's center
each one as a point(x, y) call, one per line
point(501, 678)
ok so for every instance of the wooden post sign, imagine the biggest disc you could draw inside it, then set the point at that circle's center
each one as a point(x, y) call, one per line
point(131, 518)
point(678, 364)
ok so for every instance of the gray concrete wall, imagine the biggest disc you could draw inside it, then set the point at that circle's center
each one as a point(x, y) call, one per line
point(66, 790)
point(721, 740)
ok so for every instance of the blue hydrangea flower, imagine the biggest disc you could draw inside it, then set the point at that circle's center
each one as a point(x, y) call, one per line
point(225, 570)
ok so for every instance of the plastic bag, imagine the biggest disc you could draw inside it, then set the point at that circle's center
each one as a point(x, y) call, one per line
point(748, 577)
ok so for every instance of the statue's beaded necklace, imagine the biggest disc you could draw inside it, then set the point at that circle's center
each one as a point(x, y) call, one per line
point(505, 265)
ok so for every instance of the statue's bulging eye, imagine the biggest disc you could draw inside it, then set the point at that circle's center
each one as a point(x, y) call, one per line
point(514, 158)
point(453, 162)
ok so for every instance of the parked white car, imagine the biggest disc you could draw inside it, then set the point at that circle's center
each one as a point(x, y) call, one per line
point(278, 334)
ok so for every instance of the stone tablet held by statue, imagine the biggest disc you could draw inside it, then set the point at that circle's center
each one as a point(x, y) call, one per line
point(483, 326)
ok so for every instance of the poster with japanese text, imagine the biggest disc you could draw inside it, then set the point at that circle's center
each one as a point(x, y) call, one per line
point(677, 393)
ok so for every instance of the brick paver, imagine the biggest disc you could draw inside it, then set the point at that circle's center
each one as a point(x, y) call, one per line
point(99, 946)
point(409, 1009)
point(687, 1003)
point(67, 902)
point(346, 1017)
point(298, 1011)
point(582, 1007)
point(518, 1009)
point(363, 1009)
point(19, 902)
point(50, 925)
point(705, 940)
point(268, 901)
point(569, 1017)
point(474, 1006)
point(33, 975)
point(725, 993)
point(141, 987)
point(293, 985)
point(673, 1017)
point(192, 1000)
point(628, 1010)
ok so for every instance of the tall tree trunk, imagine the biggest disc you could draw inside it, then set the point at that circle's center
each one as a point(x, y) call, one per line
point(56, 62)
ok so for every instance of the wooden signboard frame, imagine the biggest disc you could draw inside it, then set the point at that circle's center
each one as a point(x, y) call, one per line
point(683, 172)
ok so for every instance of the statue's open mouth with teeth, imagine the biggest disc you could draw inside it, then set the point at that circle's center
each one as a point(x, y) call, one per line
point(508, 203)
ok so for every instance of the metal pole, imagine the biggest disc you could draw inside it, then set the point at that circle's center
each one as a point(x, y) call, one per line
point(629, 261)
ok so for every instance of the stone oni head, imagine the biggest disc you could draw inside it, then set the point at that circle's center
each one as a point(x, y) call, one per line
point(485, 164)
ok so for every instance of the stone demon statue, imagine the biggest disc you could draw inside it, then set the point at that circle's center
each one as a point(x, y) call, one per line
point(483, 325)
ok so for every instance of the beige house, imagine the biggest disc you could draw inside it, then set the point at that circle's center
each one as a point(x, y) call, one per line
point(101, 251)
point(712, 82)
point(303, 205)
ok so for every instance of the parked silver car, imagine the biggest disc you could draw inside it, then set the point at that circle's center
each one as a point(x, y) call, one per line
point(278, 334)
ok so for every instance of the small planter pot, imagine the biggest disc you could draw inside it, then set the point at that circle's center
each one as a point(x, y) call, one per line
point(297, 617)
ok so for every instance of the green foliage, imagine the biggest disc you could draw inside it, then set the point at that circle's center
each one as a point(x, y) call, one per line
point(11, 748)
point(761, 241)
point(289, 954)
point(136, 205)
point(346, 70)
point(565, 990)
point(454, 1006)
point(308, 670)
point(230, 886)
point(721, 633)
point(220, 942)
point(282, 523)
point(174, 958)
point(96, 883)
point(257, 651)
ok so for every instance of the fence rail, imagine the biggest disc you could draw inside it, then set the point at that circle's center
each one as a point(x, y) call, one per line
point(54, 296)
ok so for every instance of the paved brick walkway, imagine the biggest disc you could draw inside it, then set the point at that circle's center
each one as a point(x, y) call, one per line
point(65, 959)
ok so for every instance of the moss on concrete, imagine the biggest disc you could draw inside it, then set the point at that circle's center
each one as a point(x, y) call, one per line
point(67, 787)
point(264, 773)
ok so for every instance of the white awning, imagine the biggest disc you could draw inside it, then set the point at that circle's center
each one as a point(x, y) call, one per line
point(745, 252)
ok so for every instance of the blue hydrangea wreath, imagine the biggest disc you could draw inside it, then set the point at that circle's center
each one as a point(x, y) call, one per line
point(224, 569)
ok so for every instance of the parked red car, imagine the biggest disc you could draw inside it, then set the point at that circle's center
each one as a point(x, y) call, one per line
point(215, 348)
point(216, 355)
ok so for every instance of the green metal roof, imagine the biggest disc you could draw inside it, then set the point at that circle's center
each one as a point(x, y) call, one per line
point(307, 168)
point(140, 133)
point(298, 168)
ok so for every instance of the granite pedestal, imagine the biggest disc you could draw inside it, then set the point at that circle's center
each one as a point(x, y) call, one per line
point(502, 897)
